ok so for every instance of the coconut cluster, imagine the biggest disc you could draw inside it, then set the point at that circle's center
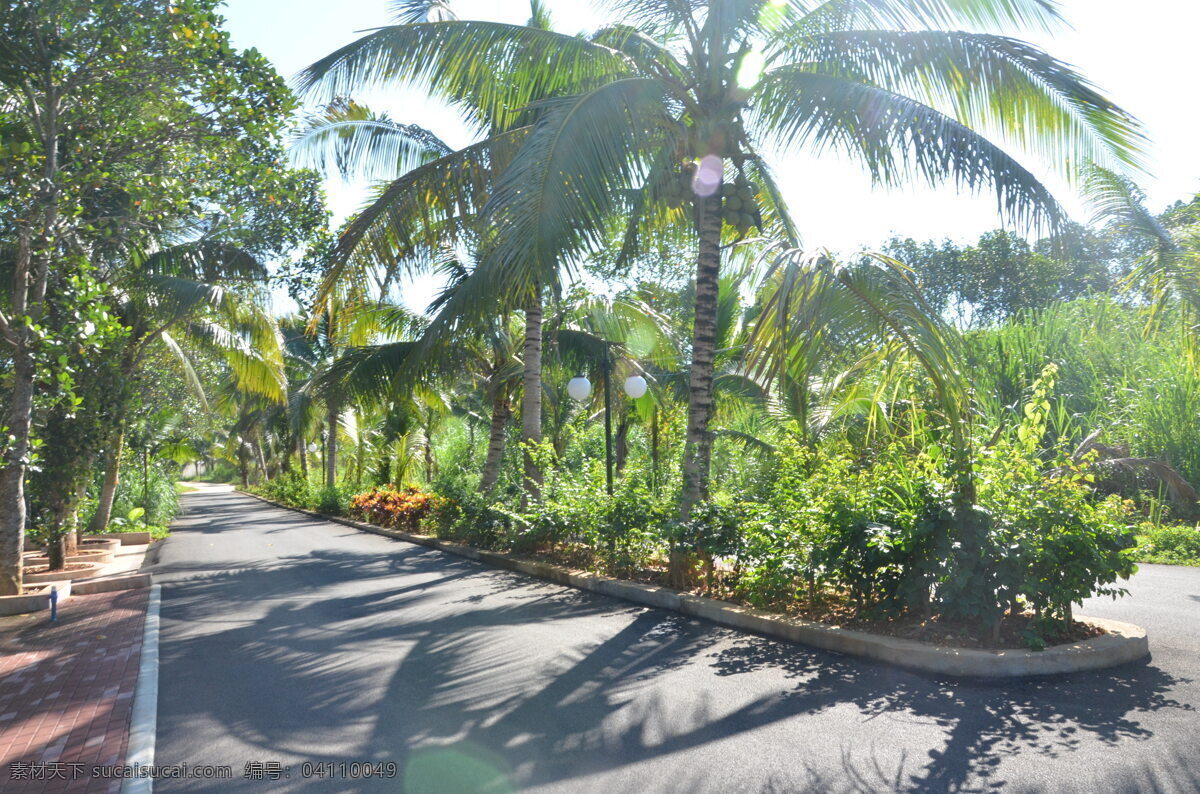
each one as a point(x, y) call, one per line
point(739, 205)
point(676, 192)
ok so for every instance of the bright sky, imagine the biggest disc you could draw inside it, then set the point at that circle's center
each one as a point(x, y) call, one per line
point(1141, 55)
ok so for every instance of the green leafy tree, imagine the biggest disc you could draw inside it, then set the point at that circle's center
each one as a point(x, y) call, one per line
point(118, 119)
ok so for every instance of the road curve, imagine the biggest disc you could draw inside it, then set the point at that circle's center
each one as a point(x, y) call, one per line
point(291, 640)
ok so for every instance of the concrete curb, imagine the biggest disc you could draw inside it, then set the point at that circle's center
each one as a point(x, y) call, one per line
point(126, 582)
point(36, 602)
point(1123, 643)
point(143, 722)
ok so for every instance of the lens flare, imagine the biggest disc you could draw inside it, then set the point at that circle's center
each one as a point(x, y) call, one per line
point(707, 180)
point(750, 70)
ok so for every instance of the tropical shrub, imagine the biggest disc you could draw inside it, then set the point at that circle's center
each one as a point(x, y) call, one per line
point(150, 487)
point(1171, 545)
point(332, 500)
point(396, 508)
point(292, 488)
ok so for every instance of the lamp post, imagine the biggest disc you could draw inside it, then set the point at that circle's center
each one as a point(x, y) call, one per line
point(580, 388)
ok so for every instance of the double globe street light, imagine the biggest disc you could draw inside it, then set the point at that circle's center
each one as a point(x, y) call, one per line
point(580, 388)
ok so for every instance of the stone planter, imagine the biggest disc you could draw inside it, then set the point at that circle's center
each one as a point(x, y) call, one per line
point(85, 554)
point(90, 542)
point(87, 569)
point(35, 599)
point(125, 538)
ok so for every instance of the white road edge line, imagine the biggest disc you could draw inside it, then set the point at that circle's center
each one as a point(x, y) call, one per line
point(143, 722)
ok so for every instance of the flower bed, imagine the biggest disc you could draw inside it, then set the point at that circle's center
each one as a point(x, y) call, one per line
point(394, 508)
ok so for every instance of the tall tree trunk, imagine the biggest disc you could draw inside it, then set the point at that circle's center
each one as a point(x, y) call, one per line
point(331, 446)
point(56, 548)
point(360, 456)
point(12, 476)
point(31, 276)
point(531, 400)
point(496, 438)
point(260, 458)
point(244, 464)
point(429, 452)
point(72, 541)
point(303, 456)
point(108, 488)
point(621, 443)
point(654, 449)
point(697, 452)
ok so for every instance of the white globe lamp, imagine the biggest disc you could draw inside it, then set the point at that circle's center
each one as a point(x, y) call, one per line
point(635, 386)
point(579, 388)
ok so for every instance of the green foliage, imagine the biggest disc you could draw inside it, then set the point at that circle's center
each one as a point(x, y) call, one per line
point(135, 521)
point(289, 489)
point(333, 501)
point(152, 489)
point(1169, 544)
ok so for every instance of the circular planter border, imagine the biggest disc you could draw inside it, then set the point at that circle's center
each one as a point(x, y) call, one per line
point(92, 569)
point(99, 555)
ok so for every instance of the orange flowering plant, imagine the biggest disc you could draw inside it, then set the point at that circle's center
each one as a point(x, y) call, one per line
point(397, 508)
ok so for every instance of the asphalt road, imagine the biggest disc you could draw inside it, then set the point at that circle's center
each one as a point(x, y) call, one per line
point(292, 640)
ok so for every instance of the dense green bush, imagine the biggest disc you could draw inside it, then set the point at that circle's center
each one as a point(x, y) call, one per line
point(333, 500)
point(151, 488)
point(292, 488)
point(1171, 545)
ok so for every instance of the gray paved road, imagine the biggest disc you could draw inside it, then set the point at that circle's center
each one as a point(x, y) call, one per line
point(290, 639)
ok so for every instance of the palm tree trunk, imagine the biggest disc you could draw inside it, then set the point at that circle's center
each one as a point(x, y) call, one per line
point(654, 450)
point(331, 446)
point(531, 400)
point(108, 489)
point(697, 452)
point(243, 464)
point(429, 453)
point(303, 456)
point(360, 456)
point(499, 432)
point(621, 443)
point(261, 459)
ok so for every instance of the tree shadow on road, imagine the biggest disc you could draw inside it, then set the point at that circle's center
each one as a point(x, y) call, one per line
point(453, 666)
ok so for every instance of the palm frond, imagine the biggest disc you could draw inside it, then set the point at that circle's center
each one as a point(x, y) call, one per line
point(825, 15)
point(986, 82)
point(409, 11)
point(555, 199)
point(349, 139)
point(420, 210)
point(896, 138)
point(490, 70)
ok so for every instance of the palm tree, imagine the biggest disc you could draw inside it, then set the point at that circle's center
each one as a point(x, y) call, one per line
point(172, 298)
point(1167, 272)
point(440, 198)
point(688, 94)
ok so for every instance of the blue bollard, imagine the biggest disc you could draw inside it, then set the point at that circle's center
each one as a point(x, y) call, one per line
point(53, 604)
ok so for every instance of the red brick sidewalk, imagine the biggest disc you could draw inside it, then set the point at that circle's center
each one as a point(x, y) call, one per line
point(66, 692)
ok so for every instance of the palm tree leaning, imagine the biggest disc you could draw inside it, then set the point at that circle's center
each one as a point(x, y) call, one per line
point(680, 98)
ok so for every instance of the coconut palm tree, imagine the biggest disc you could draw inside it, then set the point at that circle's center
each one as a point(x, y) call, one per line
point(439, 195)
point(679, 98)
point(184, 296)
